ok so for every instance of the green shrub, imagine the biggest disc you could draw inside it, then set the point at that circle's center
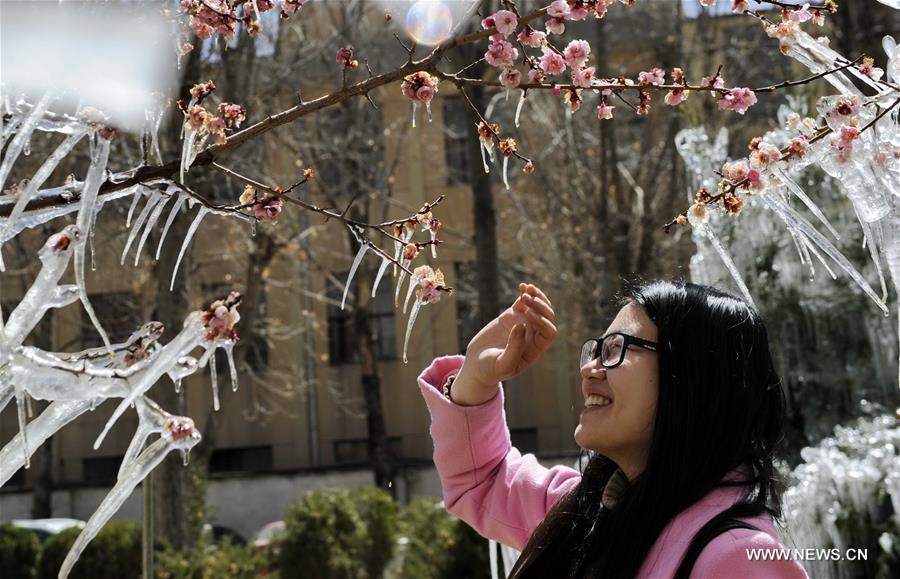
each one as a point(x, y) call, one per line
point(440, 546)
point(324, 537)
point(379, 513)
point(210, 561)
point(115, 553)
point(18, 551)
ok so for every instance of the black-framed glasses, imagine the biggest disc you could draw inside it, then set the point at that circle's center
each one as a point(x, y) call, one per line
point(611, 348)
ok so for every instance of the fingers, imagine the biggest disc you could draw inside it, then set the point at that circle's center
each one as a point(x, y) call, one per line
point(509, 358)
point(538, 305)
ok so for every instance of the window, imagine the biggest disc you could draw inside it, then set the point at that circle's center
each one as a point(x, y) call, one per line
point(118, 313)
point(101, 470)
point(356, 450)
point(456, 123)
point(248, 459)
point(342, 336)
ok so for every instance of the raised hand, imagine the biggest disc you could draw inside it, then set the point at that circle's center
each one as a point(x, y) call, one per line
point(507, 346)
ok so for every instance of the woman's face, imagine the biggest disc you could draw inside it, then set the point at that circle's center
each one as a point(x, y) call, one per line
point(623, 429)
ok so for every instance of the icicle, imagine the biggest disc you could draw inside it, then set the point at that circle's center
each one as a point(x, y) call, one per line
point(405, 264)
point(23, 423)
point(726, 259)
point(187, 240)
point(812, 248)
point(413, 284)
point(23, 136)
point(151, 223)
point(433, 245)
point(787, 214)
point(92, 182)
point(356, 261)
point(428, 110)
point(519, 108)
point(134, 203)
point(253, 227)
point(385, 262)
point(173, 213)
point(872, 243)
point(214, 378)
point(409, 326)
point(178, 386)
point(232, 368)
point(505, 166)
point(798, 191)
point(155, 197)
point(185, 456)
point(42, 174)
point(484, 157)
point(187, 153)
point(414, 115)
point(148, 460)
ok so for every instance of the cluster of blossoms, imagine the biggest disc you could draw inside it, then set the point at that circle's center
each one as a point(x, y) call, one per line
point(197, 118)
point(208, 18)
point(842, 142)
point(221, 318)
point(791, 18)
point(344, 57)
point(431, 284)
point(420, 87)
point(266, 207)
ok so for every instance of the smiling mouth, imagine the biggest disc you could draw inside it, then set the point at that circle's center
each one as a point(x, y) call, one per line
point(595, 400)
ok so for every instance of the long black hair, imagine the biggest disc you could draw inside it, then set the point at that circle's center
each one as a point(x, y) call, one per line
point(720, 406)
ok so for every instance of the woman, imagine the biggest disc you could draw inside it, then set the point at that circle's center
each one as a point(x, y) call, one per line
point(683, 411)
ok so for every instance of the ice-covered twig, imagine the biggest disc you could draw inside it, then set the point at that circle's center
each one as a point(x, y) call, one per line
point(178, 433)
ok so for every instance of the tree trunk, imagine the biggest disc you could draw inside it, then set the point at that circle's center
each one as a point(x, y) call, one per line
point(484, 220)
point(376, 429)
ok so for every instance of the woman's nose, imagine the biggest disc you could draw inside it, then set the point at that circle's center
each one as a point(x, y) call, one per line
point(593, 369)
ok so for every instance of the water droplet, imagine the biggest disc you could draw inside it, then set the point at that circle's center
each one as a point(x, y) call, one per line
point(186, 457)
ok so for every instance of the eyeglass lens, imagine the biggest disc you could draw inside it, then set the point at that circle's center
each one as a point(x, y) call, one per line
point(610, 353)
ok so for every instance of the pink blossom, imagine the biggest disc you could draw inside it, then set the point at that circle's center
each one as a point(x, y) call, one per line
point(528, 169)
point(552, 63)
point(739, 6)
point(268, 209)
point(577, 53)
point(644, 104)
point(583, 78)
point(604, 111)
point(262, 5)
point(430, 281)
point(344, 56)
point(572, 97)
point(555, 26)
point(655, 77)
point(764, 155)
point(531, 37)
point(842, 143)
point(675, 97)
point(234, 114)
point(535, 76)
point(288, 7)
point(501, 53)
point(735, 171)
point(217, 127)
point(578, 12)
point(713, 81)
point(800, 14)
point(413, 83)
point(510, 77)
point(708, 2)
point(196, 117)
point(819, 17)
point(755, 180)
point(410, 251)
point(869, 69)
point(737, 100)
point(842, 110)
point(505, 22)
point(798, 147)
point(558, 9)
point(221, 317)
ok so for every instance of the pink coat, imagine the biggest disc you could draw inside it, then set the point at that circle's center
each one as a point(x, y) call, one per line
point(504, 495)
